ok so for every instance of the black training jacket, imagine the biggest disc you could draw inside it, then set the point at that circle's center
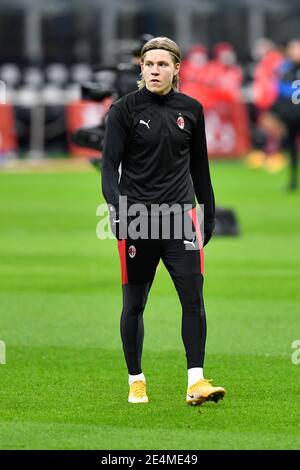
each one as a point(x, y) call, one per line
point(160, 142)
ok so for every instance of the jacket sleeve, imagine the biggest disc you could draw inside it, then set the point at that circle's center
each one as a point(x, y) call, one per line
point(114, 144)
point(199, 168)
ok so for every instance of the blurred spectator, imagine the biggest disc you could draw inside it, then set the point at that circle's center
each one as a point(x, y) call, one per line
point(193, 66)
point(193, 75)
point(211, 81)
point(216, 84)
point(286, 109)
point(224, 73)
point(268, 58)
point(266, 132)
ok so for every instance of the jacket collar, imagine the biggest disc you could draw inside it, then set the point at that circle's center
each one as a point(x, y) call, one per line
point(158, 98)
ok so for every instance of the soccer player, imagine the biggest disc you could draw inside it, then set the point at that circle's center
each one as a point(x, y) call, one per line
point(156, 135)
point(286, 109)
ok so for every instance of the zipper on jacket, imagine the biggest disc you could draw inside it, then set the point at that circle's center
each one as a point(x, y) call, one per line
point(165, 130)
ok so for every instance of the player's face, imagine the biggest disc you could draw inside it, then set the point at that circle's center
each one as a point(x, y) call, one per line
point(158, 70)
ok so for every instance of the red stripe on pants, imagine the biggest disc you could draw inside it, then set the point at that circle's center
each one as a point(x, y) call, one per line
point(122, 253)
point(192, 213)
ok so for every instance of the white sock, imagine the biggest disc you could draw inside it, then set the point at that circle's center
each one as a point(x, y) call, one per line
point(134, 378)
point(194, 374)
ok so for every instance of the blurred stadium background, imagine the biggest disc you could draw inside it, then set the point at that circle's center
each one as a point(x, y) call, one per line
point(64, 383)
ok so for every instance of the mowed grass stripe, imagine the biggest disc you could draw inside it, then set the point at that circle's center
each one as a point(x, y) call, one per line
point(77, 436)
point(70, 386)
point(65, 382)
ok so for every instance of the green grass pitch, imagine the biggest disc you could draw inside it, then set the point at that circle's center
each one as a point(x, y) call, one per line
point(64, 384)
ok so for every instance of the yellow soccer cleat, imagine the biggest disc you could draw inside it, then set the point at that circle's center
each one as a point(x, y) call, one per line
point(275, 163)
point(138, 392)
point(203, 391)
point(256, 159)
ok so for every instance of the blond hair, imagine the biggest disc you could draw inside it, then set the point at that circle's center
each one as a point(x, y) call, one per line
point(167, 45)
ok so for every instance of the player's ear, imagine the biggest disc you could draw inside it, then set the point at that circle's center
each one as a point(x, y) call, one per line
point(177, 68)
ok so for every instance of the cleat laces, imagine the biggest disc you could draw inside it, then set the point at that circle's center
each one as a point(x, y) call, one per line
point(138, 389)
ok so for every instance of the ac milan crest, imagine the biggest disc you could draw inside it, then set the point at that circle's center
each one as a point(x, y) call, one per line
point(132, 251)
point(180, 122)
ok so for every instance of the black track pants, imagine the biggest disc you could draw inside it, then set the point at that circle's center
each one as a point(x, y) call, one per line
point(183, 259)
